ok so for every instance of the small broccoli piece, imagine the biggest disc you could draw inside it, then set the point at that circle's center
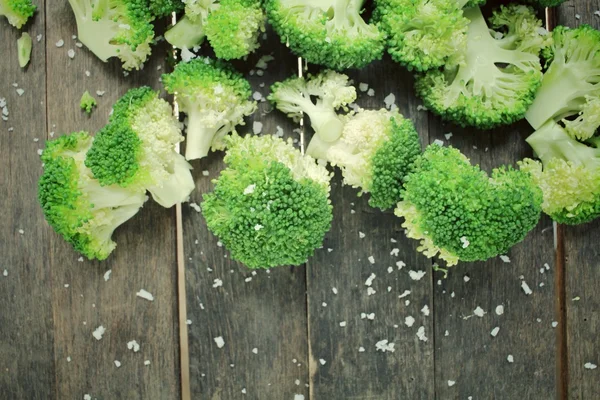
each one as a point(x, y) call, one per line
point(75, 205)
point(137, 149)
point(87, 102)
point(572, 78)
point(234, 27)
point(376, 151)
point(24, 46)
point(545, 3)
point(270, 206)
point(331, 33)
point(120, 28)
point(460, 212)
point(587, 122)
point(569, 174)
point(318, 96)
point(17, 11)
point(215, 98)
point(500, 75)
point(164, 8)
point(189, 31)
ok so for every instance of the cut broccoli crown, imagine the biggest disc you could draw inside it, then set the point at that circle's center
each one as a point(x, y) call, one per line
point(17, 11)
point(75, 205)
point(216, 99)
point(376, 151)
point(120, 28)
point(327, 32)
point(318, 96)
point(270, 206)
point(164, 8)
point(137, 149)
point(87, 102)
point(460, 212)
point(234, 27)
point(423, 34)
point(569, 174)
point(572, 77)
point(500, 74)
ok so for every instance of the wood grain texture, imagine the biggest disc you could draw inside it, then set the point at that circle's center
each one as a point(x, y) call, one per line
point(340, 369)
point(582, 264)
point(145, 257)
point(262, 310)
point(26, 325)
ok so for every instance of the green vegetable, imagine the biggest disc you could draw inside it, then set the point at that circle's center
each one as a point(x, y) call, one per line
point(87, 102)
point(186, 33)
point(270, 206)
point(75, 205)
point(458, 211)
point(137, 149)
point(164, 8)
point(215, 98)
point(376, 151)
point(17, 11)
point(545, 3)
point(24, 45)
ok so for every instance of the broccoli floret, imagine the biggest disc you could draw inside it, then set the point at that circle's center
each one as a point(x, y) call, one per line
point(587, 122)
point(189, 31)
point(215, 98)
point(572, 78)
point(318, 96)
point(545, 3)
point(569, 174)
point(87, 102)
point(17, 11)
point(500, 74)
point(119, 28)
point(327, 32)
point(75, 205)
point(233, 28)
point(24, 46)
point(137, 149)
point(376, 151)
point(164, 8)
point(270, 206)
point(460, 212)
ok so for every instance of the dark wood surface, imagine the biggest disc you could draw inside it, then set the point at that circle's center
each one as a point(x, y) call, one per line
point(302, 352)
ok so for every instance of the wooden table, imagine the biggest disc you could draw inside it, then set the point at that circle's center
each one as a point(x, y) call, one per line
point(307, 332)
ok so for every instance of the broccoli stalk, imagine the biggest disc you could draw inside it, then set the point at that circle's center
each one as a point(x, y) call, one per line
point(17, 11)
point(186, 34)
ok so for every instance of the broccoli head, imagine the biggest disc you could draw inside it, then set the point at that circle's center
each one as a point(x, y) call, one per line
point(120, 28)
point(137, 149)
point(318, 96)
point(376, 151)
point(500, 74)
point(460, 212)
point(75, 205)
point(215, 98)
point(17, 11)
point(164, 8)
point(569, 174)
point(331, 33)
point(270, 206)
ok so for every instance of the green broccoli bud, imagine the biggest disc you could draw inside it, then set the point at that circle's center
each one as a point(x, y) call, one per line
point(164, 8)
point(87, 102)
point(215, 99)
point(270, 206)
point(460, 212)
point(75, 205)
point(186, 33)
point(500, 75)
point(137, 149)
point(24, 45)
point(545, 3)
point(17, 11)
point(376, 151)
point(318, 96)
point(331, 33)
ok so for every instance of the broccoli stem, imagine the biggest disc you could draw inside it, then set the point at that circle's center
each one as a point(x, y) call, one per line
point(179, 184)
point(186, 33)
point(94, 34)
point(326, 124)
point(317, 148)
point(462, 3)
point(199, 137)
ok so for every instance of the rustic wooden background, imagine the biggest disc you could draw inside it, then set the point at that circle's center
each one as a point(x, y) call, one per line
point(282, 328)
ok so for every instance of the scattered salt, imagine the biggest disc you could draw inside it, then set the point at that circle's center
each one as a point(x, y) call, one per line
point(219, 341)
point(421, 334)
point(526, 288)
point(495, 331)
point(416, 275)
point(145, 295)
point(500, 309)
point(133, 345)
point(505, 259)
point(589, 365)
point(99, 332)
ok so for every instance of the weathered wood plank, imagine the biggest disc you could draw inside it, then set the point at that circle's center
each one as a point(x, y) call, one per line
point(262, 310)
point(337, 290)
point(145, 257)
point(582, 265)
point(26, 325)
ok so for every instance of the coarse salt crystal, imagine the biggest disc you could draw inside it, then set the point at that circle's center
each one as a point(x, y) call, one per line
point(71, 53)
point(361, 235)
point(479, 312)
point(421, 334)
point(505, 259)
point(500, 309)
point(400, 264)
point(60, 43)
point(217, 283)
point(343, 324)
point(99, 332)
point(404, 294)
point(255, 350)
point(590, 365)
point(526, 288)
point(389, 100)
point(147, 362)
point(334, 290)
point(416, 275)
point(322, 362)
point(425, 310)
point(219, 342)
point(370, 279)
point(451, 383)
point(117, 363)
point(495, 331)
point(196, 207)
point(510, 358)
point(133, 345)
point(363, 87)
point(107, 275)
point(371, 259)
point(438, 142)
point(257, 127)
point(145, 295)
point(384, 345)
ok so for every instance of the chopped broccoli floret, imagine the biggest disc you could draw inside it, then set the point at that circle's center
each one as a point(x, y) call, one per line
point(75, 205)
point(569, 174)
point(318, 96)
point(24, 46)
point(186, 33)
point(572, 82)
point(545, 3)
point(164, 8)
point(119, 28)
point(327, 32)
point(460, 212)
point(215, 98)
point(137, 149)
point(87, 102)
point(376, 151)
point(585, 125)
point(17, 11)
point(270, 206)
point(500, 74)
